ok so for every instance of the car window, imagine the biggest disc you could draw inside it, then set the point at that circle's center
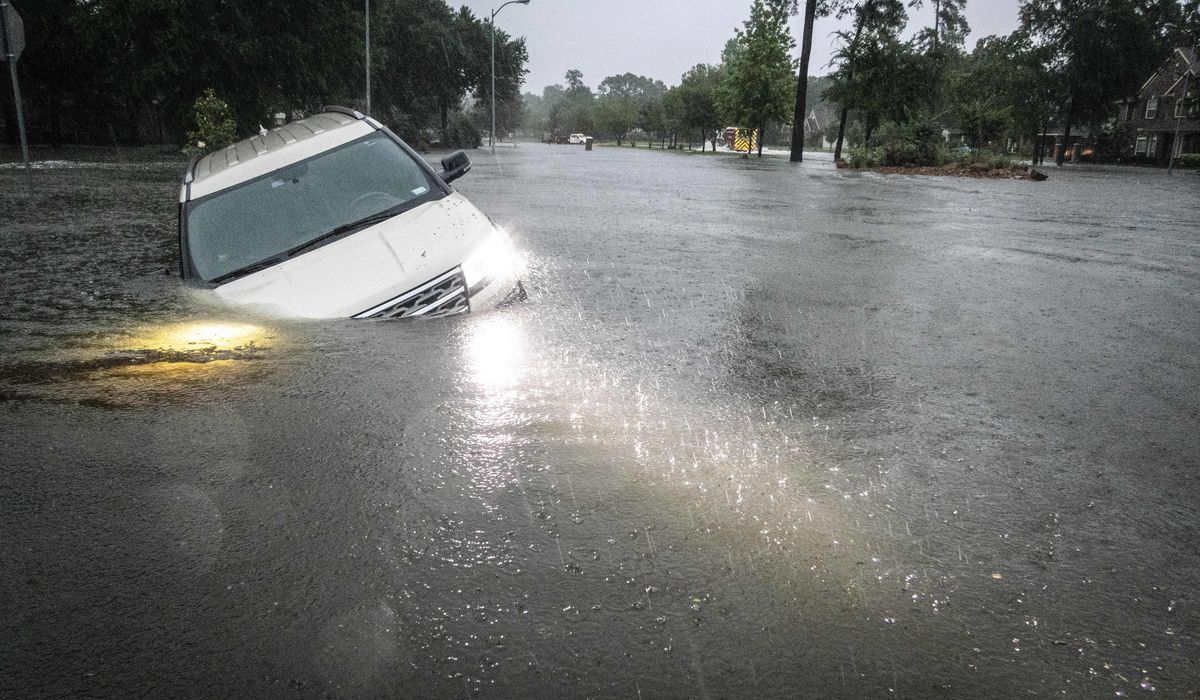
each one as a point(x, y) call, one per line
point(265, 217)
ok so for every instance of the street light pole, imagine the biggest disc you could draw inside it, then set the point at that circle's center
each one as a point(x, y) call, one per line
point(492, 134)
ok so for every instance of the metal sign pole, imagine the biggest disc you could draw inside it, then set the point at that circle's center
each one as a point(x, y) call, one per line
point(10, 54)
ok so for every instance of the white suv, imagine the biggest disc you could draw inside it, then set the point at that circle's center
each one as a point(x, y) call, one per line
point(577, 138)
point(334, 216)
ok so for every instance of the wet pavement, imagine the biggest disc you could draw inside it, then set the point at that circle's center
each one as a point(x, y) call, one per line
point(761, 430)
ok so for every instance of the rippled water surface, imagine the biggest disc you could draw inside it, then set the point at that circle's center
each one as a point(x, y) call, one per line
point(760, 430)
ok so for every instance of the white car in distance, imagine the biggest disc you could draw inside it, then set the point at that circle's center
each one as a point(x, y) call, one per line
point(334, 216)
point(577, 138)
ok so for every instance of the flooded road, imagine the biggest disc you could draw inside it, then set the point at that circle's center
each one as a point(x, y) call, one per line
point(760, 430)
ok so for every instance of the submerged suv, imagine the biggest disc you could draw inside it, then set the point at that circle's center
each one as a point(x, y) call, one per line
point(334, 216)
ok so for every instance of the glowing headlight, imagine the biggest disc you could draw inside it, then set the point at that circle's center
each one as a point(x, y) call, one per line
point(495, 258)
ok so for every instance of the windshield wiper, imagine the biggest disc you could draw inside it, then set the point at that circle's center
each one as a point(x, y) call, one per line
point(340, 230)
point(343, 229)
point(255, 267)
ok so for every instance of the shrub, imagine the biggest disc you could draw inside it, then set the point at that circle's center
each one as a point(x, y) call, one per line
point(215, 128)
point(994, 161)
point(913, 143)
point(461, 132)
point(1188, 160)
point(861, 157)
point(1000, 161)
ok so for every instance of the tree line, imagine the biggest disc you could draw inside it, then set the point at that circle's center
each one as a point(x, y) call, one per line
point(1065, 67)
point(751, 86)
point(129, 71)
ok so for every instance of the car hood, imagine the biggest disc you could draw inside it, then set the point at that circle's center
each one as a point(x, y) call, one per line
point(367, 267)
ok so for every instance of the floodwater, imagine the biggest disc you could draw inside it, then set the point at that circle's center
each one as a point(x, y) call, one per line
point(760, 430)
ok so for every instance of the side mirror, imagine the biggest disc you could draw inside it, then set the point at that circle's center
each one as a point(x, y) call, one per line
point(455, 166)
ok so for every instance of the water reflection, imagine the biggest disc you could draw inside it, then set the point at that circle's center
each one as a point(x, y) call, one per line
point(495, 348)
point(496, 362)
point(144, 364)
point(203, 337)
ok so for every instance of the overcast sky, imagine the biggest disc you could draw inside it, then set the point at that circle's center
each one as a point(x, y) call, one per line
point(663, 38)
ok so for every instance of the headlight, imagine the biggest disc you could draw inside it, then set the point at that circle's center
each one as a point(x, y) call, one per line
point(495, 258)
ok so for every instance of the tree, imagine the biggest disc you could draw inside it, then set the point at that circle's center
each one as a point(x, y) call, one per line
point(949, 26)
point(887, 16)
point(215, 128)
point(572, 108)
point(150, 59)
point(885, 79)
point(699, 91)
point(812, 10)
point(942, 45)
point(621, 101)
point(652, 118)
point(673, 114)
point(1003, 84)
point(758, 80)
point(1100, 49)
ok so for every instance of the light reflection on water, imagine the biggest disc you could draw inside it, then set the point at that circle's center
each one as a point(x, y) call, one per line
point(145, 364)
point(201, 336)
point(496, 353)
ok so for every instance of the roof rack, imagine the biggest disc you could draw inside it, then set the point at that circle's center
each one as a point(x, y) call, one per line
point(343, 110)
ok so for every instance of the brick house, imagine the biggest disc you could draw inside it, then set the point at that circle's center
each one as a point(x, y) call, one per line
point(1165, 105)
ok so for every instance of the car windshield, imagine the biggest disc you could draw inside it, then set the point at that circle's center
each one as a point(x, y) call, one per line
point(263, 220)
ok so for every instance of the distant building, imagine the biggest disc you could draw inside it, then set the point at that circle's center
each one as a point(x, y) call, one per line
point(1165, 105)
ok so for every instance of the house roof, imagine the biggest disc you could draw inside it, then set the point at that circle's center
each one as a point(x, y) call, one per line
point(1186, 54)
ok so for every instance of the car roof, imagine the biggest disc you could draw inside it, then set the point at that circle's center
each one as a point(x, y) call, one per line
point(263, 153)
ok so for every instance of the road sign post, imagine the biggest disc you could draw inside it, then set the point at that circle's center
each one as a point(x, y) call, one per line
point(12, 43)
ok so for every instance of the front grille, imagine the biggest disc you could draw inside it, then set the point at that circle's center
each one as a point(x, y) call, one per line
point(443, 295)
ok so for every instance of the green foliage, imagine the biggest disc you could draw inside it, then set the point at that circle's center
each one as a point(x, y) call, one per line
point(912, 143)
point(1001, 86)
point(462, 133)
point(949, 30)
point(1099, 51)
point(982, 121)
point(698, 92)
point(863, 157)
point(1188, 160)
point(993, 161)
point(899, 152)
point(882, 78)
point(214, 125)
point(570, 109)
point(627, 101)
point(758, 81)
point(147, 60)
